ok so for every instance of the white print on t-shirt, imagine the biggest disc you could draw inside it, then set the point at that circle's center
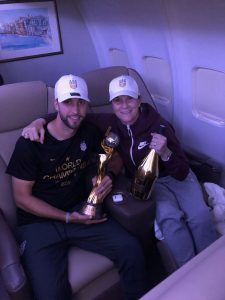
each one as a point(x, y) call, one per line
point(83, 146)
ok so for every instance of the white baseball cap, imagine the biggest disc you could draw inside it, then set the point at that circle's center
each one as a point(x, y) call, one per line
point(70, 86)
point(123, 85)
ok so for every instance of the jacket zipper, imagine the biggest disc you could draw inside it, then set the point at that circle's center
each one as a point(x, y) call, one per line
point(132, 144)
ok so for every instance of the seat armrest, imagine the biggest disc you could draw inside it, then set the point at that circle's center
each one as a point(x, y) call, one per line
point(9, 252)
point(132, 213)
point(136, 216)
point(11, 270)
point(204, 168)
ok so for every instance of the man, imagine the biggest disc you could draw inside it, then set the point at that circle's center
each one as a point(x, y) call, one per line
point(49, 186)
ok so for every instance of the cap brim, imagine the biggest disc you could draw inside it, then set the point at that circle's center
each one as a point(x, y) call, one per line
point(123, 93)
point(67, 96)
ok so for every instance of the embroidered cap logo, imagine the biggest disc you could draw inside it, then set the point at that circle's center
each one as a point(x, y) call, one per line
point(122, 82)
point(73, 84)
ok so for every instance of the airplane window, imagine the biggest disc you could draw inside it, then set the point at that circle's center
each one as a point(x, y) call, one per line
point(158, 77)
point(209, 96)
point(118, 57)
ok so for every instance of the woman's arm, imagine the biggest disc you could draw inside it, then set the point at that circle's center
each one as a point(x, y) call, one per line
point(35, 130)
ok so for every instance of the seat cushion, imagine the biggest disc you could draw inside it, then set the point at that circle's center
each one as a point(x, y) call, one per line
point(87, 269)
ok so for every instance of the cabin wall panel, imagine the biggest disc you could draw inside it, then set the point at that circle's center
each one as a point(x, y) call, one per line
point(197, 40)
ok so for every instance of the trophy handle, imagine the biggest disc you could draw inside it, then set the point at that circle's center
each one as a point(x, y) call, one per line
point(103, 158)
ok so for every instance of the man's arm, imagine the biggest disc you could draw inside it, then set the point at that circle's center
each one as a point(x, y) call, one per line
point(22, 191)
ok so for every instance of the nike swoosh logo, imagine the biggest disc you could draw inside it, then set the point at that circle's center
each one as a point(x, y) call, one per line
point(142, 145)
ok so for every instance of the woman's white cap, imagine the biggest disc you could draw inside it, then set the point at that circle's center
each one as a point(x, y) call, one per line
point(123, 85)
point(71, 86)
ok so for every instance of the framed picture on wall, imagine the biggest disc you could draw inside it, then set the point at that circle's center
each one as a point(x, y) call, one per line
point(28, 30)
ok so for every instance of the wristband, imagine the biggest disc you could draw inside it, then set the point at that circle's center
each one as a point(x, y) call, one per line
point(67, 218)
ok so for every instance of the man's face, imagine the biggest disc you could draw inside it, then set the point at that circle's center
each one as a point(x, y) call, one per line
point(72, 112)
point(126, 109)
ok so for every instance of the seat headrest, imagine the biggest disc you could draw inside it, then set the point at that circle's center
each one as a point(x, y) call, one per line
point(20, 103)
point(98, 84)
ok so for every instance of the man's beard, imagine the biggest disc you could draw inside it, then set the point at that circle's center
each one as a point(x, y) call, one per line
point(66, 122)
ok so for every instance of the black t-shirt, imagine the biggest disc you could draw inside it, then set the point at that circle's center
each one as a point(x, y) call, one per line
point(59, 168)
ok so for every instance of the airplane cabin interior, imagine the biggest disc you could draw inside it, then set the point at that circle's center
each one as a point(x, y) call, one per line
point(175, 50)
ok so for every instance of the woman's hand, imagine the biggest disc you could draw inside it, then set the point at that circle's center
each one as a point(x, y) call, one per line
point(159, 143)
point(35, 131)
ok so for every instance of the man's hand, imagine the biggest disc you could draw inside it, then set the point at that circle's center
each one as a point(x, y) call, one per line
point(35, 131)
point(75, 217)
point(104, 188)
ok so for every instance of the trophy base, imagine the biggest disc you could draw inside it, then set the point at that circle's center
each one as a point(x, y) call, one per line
point(95, 211)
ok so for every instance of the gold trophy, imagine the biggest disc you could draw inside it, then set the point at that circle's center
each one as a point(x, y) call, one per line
point(93, 206)
point(146, 174)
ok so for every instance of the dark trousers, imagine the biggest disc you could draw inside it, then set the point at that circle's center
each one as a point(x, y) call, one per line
point(46, 256)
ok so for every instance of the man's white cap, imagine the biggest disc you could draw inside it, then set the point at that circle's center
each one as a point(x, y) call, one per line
point(70, 86)
point(123, 85)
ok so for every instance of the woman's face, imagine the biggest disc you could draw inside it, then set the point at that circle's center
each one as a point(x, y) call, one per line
point(126, 109)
